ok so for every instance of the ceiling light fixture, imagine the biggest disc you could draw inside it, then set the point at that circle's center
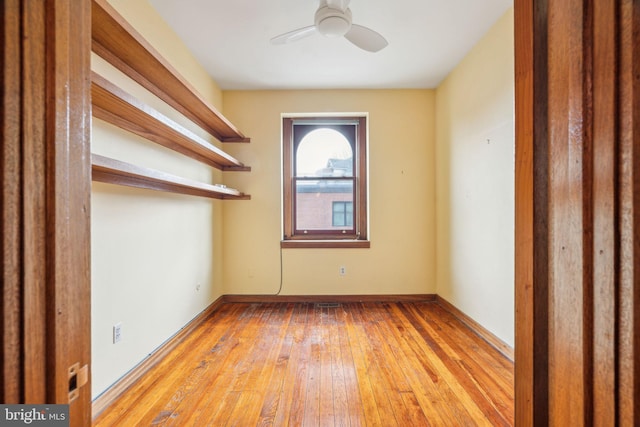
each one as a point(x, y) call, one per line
point(333, 19)
point(332, 22)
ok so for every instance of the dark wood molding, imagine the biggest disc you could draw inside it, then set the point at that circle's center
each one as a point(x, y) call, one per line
point(505, 349)
point(328, 298)
point(119, 43)
point(11, 309)
point(325, 244)
point(531, 214)
point(626, 291)
point(45, 164)
point(577, 212)
point(101, 402)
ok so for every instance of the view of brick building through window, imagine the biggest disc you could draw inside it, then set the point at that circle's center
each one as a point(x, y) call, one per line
point(318, 206)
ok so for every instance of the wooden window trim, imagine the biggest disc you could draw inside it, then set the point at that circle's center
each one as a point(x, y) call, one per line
point(360, 239)
point(325, 244)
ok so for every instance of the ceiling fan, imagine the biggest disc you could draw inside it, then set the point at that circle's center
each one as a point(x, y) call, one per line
point(333, 19)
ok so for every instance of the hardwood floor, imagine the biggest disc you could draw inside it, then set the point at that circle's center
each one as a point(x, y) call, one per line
point(305, 364)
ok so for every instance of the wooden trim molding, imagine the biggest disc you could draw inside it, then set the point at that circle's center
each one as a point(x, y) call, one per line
point(577, 248)
point(103, 401)
point(504, 348)
point(531, 214)
point(625, 353)
point(45, 310)
point(325, 244)
point(328, 298)
point(11, 374)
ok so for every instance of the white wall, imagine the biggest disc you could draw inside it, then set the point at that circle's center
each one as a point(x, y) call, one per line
point(156, 257)
point(475, 182)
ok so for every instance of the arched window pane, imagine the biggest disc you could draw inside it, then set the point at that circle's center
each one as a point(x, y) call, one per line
point(324, 152)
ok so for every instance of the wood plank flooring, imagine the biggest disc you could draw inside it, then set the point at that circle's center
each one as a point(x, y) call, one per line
point(306, 364)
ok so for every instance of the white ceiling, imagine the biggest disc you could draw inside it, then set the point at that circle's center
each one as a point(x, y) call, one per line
point(427, 39)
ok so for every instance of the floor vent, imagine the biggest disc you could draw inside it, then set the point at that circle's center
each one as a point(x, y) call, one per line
point(328, 304)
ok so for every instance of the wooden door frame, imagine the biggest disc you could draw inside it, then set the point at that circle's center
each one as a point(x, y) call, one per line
point(45, 169)
point(530, 311)
point(45, 220)
point(577, 249)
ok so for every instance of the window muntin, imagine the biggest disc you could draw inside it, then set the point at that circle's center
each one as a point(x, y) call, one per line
point(324, 162)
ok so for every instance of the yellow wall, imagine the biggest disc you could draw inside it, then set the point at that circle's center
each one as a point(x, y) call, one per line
point(475, 182)
point(156, 257)
point(401, 259)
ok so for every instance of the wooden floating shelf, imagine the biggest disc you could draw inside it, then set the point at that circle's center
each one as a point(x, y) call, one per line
point(111, 171)
point(114, 39)
point(113, 105)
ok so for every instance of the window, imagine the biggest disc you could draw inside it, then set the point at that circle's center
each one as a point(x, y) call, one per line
point(342, 214)
point(325, 182)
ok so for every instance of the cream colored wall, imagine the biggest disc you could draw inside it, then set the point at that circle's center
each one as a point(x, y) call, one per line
point(401, 259)
point(156, 257)
point(475, 182)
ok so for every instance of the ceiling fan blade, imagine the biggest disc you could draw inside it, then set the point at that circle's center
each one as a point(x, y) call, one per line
point(365, 38)
point(294, 35)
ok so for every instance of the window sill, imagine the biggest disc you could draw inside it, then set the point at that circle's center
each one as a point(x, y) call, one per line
point(324, 244)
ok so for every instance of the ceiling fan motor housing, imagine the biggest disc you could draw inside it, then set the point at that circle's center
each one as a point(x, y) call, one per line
point(332, 22)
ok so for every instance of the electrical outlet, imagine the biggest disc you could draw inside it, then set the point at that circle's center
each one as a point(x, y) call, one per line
point(343, 270)
point(117, 333)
